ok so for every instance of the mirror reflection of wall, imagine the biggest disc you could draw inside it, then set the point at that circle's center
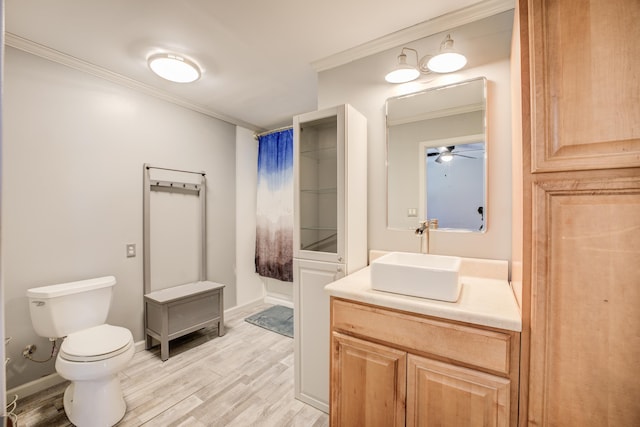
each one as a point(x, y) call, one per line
point(455, 184)
point(447, 116)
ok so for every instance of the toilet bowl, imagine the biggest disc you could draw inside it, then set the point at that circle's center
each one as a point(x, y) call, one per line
point(92, 352)
point(92, 359)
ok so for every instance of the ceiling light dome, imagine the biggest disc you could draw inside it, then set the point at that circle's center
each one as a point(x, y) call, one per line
point(174, 68)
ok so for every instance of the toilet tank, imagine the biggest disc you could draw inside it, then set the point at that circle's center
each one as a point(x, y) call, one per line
point(58, 310)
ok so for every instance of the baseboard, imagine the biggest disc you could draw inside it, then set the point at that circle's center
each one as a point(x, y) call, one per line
point(51, 380)
point(275, 300)
point(316, 403)
point(231, 311)
point(35, 386)
point(139, 346)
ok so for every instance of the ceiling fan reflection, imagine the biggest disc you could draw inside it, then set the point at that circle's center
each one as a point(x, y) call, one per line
point(445, 154)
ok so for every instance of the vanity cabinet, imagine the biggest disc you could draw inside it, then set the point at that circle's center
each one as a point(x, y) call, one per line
point(393, 368)
point(580, 197)
point(330, 232)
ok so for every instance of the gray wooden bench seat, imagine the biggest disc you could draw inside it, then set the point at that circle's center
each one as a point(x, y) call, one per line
point(179, 310)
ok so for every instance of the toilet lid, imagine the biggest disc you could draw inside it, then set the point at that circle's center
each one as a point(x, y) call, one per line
point(97, 343)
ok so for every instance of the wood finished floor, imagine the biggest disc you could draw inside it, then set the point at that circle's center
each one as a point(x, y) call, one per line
point(244, 378)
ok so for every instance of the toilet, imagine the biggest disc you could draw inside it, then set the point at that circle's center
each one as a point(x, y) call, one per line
point(92, 352)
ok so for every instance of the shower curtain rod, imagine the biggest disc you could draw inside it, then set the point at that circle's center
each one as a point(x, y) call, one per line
point(257, 135)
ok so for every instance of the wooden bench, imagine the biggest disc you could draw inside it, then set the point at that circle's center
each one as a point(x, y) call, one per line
point(177, 311)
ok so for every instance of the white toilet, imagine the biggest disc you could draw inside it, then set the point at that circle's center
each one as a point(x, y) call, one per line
point(92, 354)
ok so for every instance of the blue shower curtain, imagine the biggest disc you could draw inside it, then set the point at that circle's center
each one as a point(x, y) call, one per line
point(274, 231)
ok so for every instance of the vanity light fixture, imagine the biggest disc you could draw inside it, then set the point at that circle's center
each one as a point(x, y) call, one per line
point(174, 68)
point(448, 60)
point(404, 72)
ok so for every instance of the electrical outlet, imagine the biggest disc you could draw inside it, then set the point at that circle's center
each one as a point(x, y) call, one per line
point(131, 250)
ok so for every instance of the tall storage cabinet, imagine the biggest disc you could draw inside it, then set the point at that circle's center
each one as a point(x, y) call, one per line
point(330, 232)
point(581, 210)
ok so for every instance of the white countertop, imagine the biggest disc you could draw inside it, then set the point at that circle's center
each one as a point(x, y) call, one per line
point(486, 301)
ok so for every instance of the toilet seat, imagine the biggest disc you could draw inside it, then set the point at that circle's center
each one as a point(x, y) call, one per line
point(96, 343)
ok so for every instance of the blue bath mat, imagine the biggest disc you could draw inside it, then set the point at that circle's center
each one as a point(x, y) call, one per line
point(277, 319)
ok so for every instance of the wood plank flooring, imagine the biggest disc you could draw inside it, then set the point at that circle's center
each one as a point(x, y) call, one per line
point(244, 378)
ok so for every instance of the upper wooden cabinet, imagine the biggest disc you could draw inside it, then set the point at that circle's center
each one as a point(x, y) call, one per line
point(585, 80)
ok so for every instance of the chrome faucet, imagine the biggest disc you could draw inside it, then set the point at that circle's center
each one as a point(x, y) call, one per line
point(426, 225)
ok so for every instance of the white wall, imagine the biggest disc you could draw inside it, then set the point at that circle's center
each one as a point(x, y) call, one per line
point(361, 84)
point(74, 146)
point(249, 284)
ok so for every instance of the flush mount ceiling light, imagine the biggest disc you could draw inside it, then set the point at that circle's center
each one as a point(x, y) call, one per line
point(403, 72)
point(174, 68)
point(448, 60)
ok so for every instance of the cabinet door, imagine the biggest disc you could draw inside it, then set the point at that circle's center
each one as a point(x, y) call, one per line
point(585, 326)
point(585, 58)
point(311, 329)
point(367, 383)
point(319, 170)
point(441, 394)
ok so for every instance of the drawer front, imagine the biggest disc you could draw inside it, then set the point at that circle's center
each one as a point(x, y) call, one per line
point(476, 347)
point(189, 312)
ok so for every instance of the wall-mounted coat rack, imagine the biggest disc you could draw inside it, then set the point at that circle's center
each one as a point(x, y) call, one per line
point(178, 310)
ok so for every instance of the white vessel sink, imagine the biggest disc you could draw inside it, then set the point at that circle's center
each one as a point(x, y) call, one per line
point(419, 275)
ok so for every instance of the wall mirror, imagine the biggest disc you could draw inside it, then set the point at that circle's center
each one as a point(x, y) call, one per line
point(437, 157)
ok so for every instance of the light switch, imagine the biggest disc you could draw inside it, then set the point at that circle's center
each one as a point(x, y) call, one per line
point(412, 212)
point(131, 250)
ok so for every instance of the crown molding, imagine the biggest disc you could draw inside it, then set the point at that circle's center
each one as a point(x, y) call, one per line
point(53, 55)
point(475, 12)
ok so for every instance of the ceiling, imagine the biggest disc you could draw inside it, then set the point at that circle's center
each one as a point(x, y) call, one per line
point(257, 57)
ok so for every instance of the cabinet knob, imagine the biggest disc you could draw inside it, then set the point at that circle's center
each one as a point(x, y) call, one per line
point(339, 269)
point(340, 258)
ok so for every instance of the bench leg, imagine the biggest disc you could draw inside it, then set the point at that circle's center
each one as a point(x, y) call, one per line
point(164, 334)
point(221, 313)
point(164, 349)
